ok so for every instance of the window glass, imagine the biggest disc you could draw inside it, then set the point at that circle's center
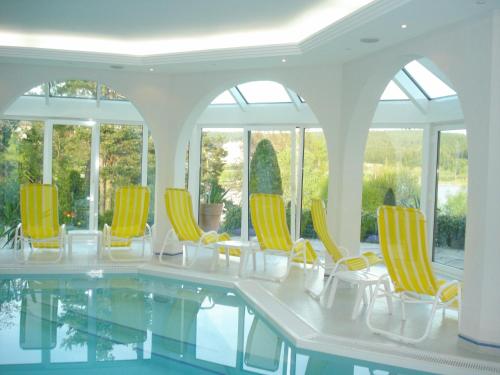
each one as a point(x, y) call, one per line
point(21, 161)
point(74, 88)
point(221, 178)
point(120, 164)
point(451, 198)
point(110, 94)
point(393, 92)
point(71, 173)
point(224, 98)
point(264, 92)
point(314, 178)
point(392, 172)
point(433, 86)
point(265, 174)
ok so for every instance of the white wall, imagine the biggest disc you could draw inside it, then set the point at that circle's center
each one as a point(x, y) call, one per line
point(343, 98)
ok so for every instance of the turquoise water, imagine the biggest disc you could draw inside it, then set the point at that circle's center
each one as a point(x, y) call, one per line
point(146, 325)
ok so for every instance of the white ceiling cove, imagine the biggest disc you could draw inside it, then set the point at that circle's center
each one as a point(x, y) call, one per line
point(152, 27)
point(180, 35)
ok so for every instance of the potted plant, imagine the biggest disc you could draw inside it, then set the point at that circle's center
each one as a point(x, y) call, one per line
point(211, 209)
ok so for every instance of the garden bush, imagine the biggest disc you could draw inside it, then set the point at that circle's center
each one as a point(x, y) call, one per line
point(450, 231)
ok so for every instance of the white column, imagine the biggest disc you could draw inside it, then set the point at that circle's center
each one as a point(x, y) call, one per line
point(481, 303)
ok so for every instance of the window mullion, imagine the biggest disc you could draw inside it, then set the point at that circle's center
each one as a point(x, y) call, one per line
point(244, 185)
point(144, 159)
point(47, 151)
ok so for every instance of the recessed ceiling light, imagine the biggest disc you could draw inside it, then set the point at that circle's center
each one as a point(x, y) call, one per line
point(404, 26)
point(151, 69)
point(283, 60)
point(481, 2)
point(369, 40)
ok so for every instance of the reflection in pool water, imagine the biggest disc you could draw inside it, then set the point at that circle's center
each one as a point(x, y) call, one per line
point(146, 325)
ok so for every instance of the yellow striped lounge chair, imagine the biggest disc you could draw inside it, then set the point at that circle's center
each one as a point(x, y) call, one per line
point(269, 221)
point(40, 221)
point(185, 230)
point(129, 221)
point(337, 257)
point(403, 242)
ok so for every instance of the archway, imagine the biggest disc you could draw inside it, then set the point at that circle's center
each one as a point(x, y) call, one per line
point(225, 142)
point(416, 155)
point(85, 137)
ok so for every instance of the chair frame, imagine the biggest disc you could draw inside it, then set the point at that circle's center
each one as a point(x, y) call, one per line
point(20, 240)
point(412, 298)
point(108, 239)
point(297, 250)
point(171, 238)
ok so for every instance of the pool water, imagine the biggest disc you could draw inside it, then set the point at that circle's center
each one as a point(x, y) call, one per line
point(82, 324)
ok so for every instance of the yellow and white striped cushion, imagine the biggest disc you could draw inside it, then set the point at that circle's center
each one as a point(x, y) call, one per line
point(180, 213)
point(403, 242)
point(131, 211)
point(318, 213)
point(39, 211)
point(268, 216)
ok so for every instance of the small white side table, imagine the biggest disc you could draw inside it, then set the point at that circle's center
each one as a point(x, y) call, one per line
point(362, 279)
point(97, 234)
point(245, 248)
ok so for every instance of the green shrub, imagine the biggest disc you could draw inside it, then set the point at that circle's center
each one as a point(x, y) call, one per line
point(306, 225)
point(450, 231)
point(232, 218)
point(368, 225)
point(265, 174)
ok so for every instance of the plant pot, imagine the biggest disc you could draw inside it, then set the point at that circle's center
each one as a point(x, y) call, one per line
point(210, 214)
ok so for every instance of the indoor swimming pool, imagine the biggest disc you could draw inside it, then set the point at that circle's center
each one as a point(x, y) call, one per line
point(95, 323)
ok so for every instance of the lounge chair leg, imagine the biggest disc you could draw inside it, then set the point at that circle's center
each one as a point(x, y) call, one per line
point(333, 291)
point(387, 289)
point(403, 308)
point(360, 294)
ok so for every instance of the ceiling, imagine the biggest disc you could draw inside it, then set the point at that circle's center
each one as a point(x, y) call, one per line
point(191, 35)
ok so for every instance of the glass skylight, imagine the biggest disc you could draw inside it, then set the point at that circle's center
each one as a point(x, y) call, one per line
point(257, 92)
point(224, 98)
point(36, 91)
point(434, 88)
point(393, 92)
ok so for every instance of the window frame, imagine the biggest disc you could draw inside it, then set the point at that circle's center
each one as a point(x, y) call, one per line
point(432, 194)
point(297, 132)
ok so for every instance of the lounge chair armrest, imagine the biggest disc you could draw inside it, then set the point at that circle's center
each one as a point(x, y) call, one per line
point(345, 259)
point(445, 286)
point(345, 251)
point(299, 242)
point(209, 233)
point(205, 235)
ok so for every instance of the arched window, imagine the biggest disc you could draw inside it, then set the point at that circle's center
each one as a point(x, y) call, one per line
point(416, 155)
point(250, 122)
point(88, 139)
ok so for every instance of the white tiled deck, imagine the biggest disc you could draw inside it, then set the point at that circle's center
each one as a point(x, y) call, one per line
point(305, 320)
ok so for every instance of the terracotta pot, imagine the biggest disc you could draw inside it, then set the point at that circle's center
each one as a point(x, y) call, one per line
point(210, 216)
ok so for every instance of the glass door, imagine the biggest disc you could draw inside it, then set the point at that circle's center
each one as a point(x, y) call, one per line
point(71, 170)
point(270, 167)
point(221, 180)
point(451, 198)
